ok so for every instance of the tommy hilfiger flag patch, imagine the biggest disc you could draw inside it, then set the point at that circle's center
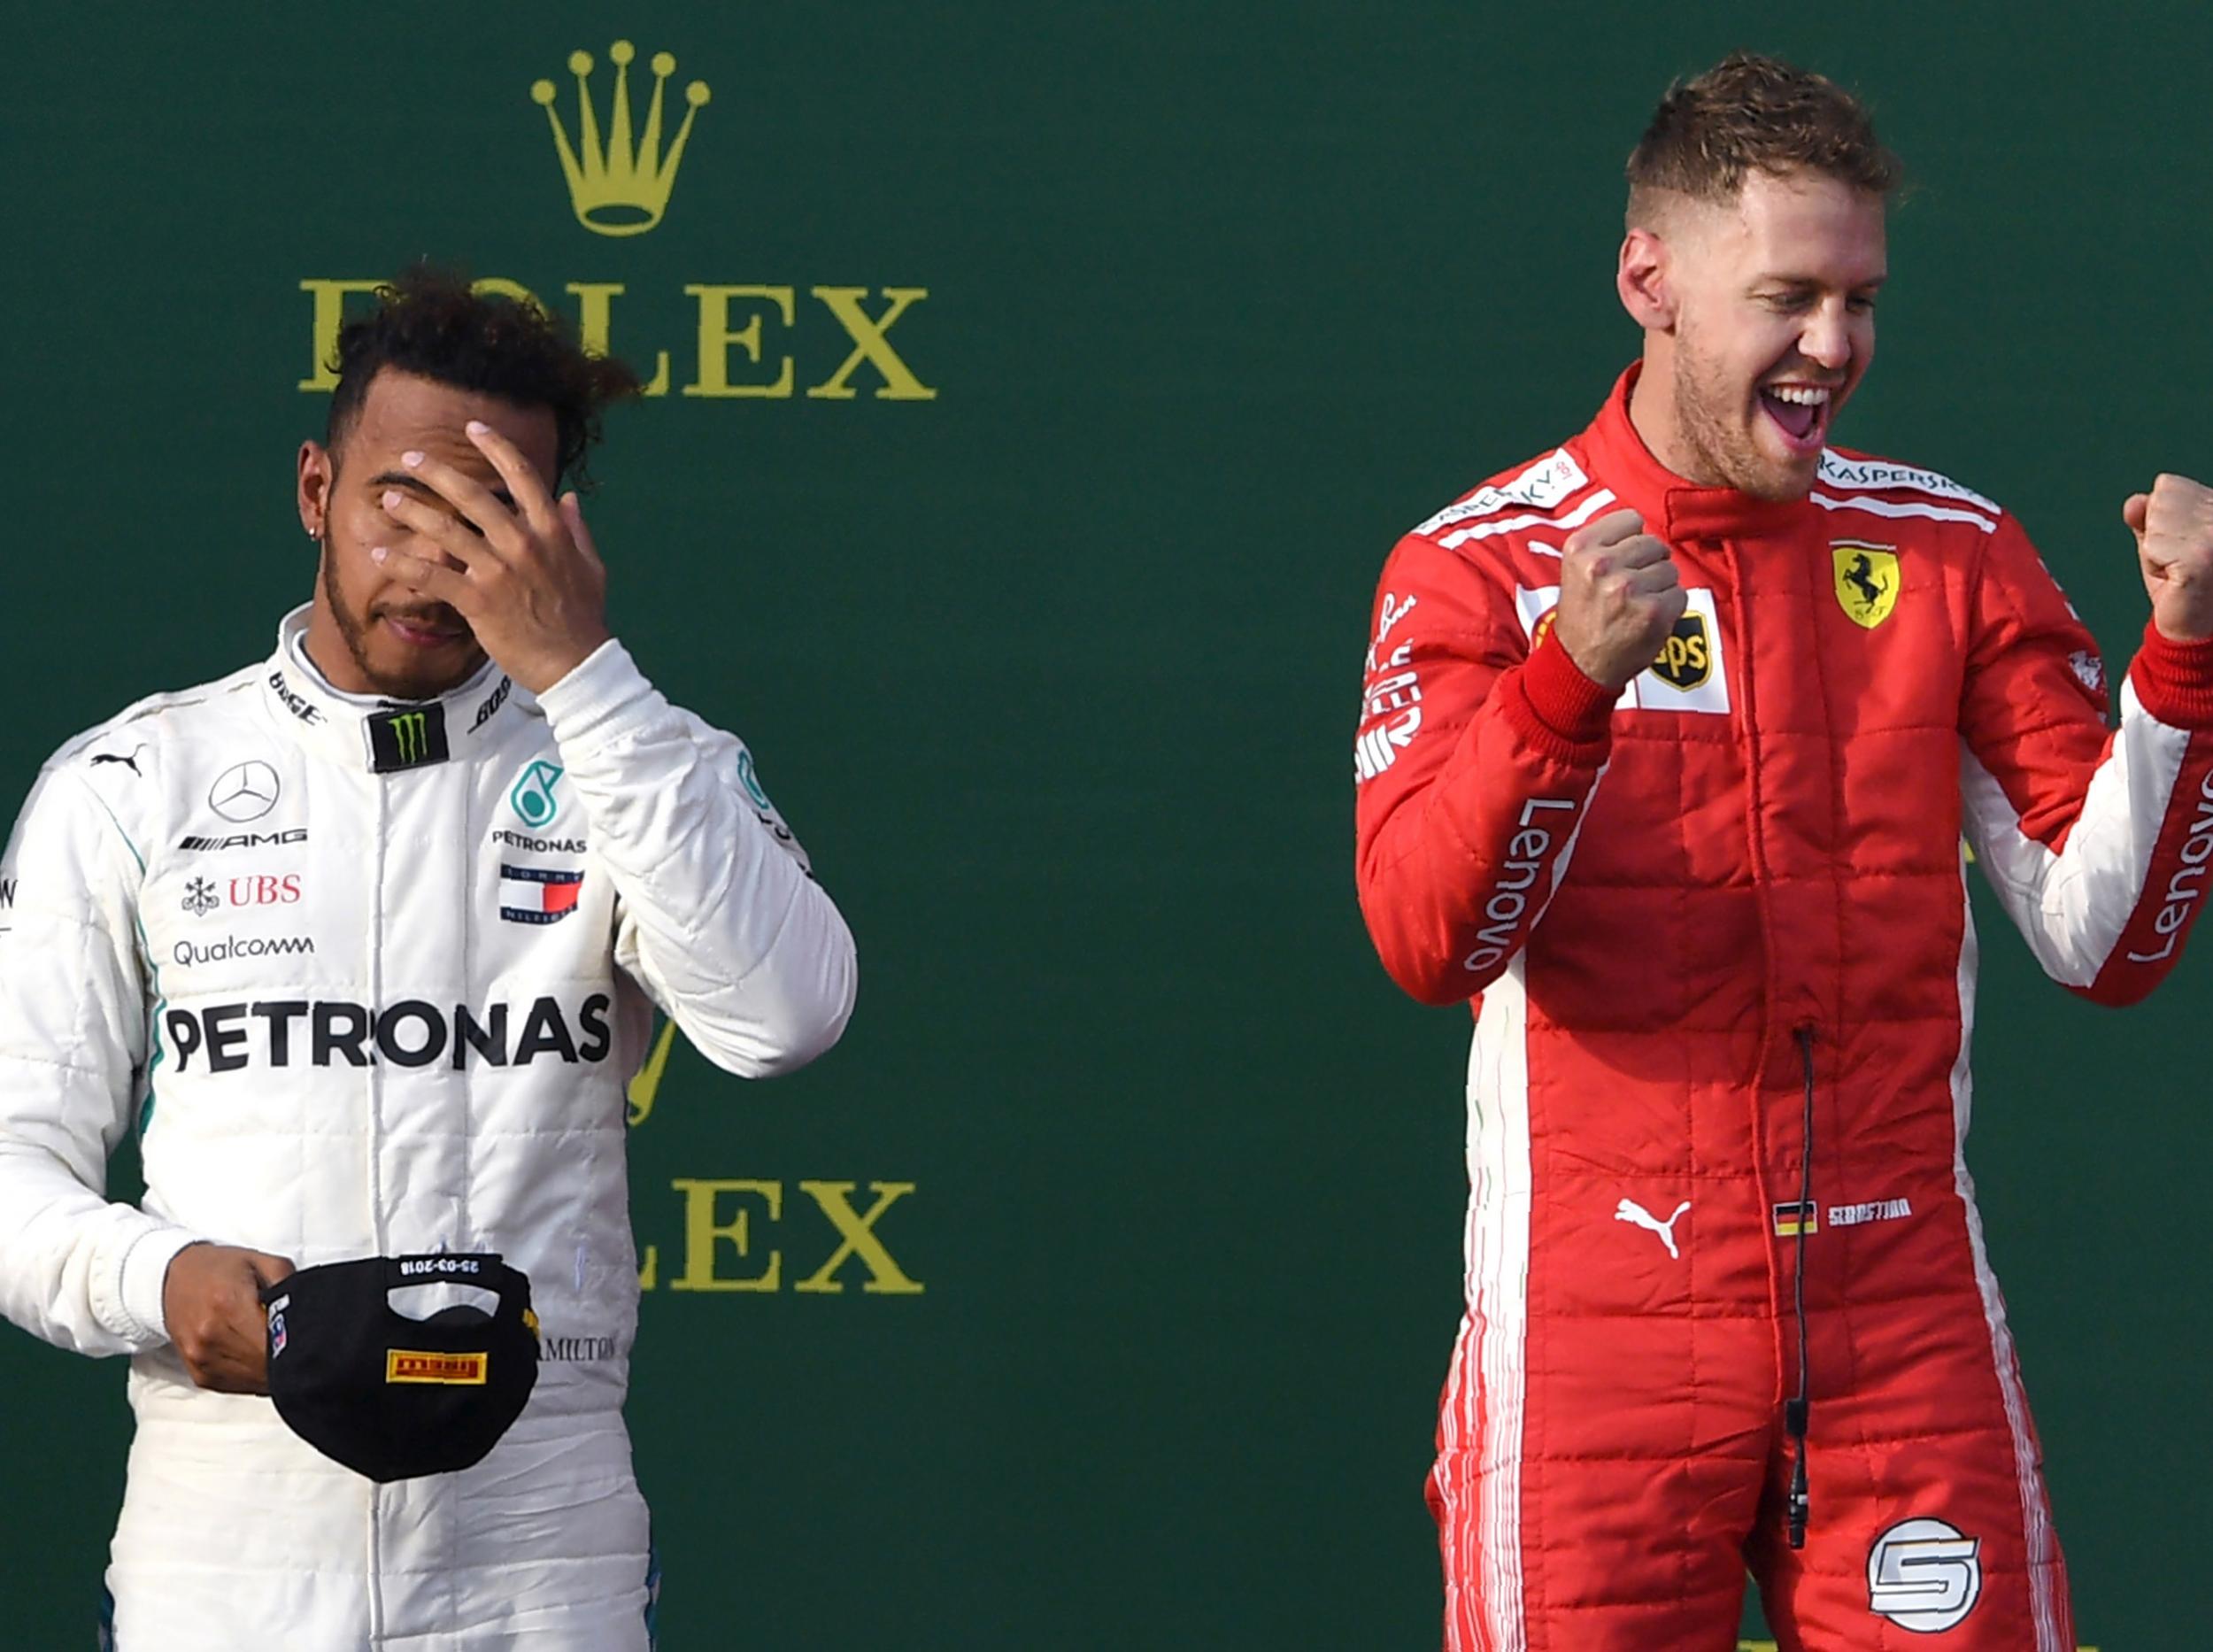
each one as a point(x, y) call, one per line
point(537, 894)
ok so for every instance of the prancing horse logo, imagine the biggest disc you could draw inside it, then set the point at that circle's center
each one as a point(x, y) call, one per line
point(1629, 1210)
point(1867, 579)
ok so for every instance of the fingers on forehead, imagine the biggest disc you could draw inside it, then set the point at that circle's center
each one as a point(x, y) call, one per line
point(507, 458)
point(494, 447)
point(470, 495)
point(529, 489)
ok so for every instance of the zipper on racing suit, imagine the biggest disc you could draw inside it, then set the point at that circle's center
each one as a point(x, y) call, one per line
point(1797, 1410)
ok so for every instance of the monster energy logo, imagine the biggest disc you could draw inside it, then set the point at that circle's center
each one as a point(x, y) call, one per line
point(406, 739)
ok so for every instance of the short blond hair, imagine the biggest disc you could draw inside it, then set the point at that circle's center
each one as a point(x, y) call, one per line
point(1753, 113)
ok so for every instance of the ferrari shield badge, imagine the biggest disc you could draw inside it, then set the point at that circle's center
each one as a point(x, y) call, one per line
point(1867, 581)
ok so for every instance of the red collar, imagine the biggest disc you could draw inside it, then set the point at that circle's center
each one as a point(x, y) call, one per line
point(1676, 510)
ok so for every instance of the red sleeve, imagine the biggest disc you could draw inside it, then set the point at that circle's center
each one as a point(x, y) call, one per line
point(2097, 841)
point(1476, 759)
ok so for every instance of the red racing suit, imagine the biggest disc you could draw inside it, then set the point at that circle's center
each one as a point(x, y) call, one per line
point(1696, 918)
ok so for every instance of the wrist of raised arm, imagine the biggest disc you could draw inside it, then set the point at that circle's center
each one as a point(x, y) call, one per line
point(2174, 681)
point(1569, 705)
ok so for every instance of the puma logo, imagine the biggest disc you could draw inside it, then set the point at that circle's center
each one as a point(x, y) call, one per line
point(1629, 1210)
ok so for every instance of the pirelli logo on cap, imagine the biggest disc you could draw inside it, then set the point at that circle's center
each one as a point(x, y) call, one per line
point(408, 1365)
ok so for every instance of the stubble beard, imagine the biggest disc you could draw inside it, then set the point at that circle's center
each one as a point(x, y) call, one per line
point(1706, 419)
point(353, 631)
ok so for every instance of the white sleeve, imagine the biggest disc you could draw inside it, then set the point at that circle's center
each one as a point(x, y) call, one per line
point(75, 1270)
point(719, 917)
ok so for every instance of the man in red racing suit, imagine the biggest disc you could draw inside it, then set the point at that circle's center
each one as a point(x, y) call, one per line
point(1710, 906)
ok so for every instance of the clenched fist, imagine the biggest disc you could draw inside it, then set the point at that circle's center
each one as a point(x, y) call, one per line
point(1619, 597)
point(2173, 525)
point(211, 1301)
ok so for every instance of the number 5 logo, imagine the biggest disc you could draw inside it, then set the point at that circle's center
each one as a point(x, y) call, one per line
point(1925, 1576)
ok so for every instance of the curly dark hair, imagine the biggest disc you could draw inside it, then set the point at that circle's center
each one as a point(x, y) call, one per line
point(1747, 113)
point(430, 322)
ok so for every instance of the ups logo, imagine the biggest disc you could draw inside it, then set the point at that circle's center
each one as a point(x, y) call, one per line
point(1686, 659)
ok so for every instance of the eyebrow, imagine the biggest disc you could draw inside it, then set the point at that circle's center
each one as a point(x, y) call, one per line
point(415, 485)
point(1781, 280)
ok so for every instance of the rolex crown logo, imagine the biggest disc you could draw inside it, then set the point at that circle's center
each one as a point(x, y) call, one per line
point(619, 186)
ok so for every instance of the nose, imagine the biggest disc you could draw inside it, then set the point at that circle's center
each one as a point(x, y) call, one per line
point(1827, 339)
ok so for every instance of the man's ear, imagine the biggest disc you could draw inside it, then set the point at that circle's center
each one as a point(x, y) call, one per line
point(1644, 278)
point(318, 470)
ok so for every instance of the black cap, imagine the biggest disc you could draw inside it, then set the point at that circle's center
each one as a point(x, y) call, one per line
point(395, 1398)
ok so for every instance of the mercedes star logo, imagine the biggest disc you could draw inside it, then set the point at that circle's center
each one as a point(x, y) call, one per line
point(245, 791)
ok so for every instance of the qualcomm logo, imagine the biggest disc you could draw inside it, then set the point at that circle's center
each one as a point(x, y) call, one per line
point(619, 185)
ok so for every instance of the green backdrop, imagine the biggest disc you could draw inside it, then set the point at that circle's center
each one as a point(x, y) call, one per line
point(1051, 655)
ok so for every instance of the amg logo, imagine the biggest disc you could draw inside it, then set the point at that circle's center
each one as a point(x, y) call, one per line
point(578, 1348)
point(410, 1033)
point(1874, 1210)
point(246, 840)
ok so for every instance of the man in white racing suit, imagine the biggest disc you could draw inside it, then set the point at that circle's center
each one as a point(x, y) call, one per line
point(365, 940)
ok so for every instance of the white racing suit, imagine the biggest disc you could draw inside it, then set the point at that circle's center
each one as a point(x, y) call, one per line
point(372, 980)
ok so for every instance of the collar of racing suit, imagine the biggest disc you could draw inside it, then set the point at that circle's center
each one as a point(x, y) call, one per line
point(1676, 510)
point(338, 725)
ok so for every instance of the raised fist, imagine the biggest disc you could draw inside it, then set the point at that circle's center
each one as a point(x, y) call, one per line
point(2173, 525)
point(1619, 597)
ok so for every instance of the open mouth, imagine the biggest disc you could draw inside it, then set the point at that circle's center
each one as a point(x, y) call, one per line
point(1801, 411)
